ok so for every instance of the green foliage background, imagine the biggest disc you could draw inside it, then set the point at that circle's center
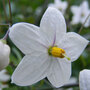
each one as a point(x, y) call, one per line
point(25, 11)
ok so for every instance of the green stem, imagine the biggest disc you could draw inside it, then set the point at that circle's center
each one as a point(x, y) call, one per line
point(84, 23)
point(70, 85)
point(6, 35)
point(4, 24)
point(3, 1)
point(10, 12)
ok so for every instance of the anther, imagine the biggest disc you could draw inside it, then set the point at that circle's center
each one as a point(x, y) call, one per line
point(57, 52)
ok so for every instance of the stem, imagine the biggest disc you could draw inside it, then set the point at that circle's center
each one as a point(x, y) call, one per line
point(70, 85)
point(6, 35)
point(5, 11)
point(65, 86)
point(10, 12)
point(84, 23)
point(43, 10)
point(4, 24)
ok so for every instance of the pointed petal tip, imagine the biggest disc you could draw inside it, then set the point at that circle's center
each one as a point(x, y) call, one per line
point(12, 82)
point(58, 85)
point(15, 82)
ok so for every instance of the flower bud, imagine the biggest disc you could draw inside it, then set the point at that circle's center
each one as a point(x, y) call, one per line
point(4, 76)
point(4, 55)
point(84, 79)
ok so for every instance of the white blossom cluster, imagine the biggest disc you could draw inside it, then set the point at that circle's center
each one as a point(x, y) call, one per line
point(80, 13)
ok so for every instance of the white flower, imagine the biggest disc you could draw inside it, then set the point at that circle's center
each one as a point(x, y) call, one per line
point(84, 80)
point(4, 55)
point(47, 50)
point(80, 14)
point(4, 77)
point(59, 4)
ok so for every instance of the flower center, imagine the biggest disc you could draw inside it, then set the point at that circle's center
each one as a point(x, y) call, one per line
point(57, 52)
point(82, 15)
point(60, 9)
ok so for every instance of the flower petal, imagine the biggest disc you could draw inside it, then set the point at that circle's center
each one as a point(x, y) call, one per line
point(26, 37)
point(4, 77)
point(76, 17)
point(84, 5)
point(73, 44)
point(59, 73)
point(31, 69)
point(84, 80)
point(52, 25)
point(74, 9)
point(4, 55)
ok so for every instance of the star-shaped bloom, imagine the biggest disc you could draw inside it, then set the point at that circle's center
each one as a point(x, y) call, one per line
point(84, 80)
point(61, 5)
point(80, 13)
point(4, 54)
point(48, 50)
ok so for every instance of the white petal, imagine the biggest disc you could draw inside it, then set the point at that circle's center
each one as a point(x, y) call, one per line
point(61, 5)
point(76, 17)
point(84, 80)
point(26, 37)
point(52, 25)
point(85, 8)
point(59, 73)
point(4, 77)
point(31, 69)
point(85, 5)
point(86, 12)
point(87, 24)
point(4, 55)
point(74, 9)
point(65, 4)
point(3, 86)
point(52, 5)
point(56, 1)
point(73, 44)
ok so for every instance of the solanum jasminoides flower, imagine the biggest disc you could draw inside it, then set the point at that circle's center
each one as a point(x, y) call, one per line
point(4, 54)
point(59, 4)
point(48, 50)
point(84, 80)
point(80, 13)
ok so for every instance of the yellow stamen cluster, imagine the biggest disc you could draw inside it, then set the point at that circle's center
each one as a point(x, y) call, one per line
point(82, 15)
point(57, 52)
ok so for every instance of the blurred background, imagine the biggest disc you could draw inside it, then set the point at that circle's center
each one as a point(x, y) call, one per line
point(31, 11)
